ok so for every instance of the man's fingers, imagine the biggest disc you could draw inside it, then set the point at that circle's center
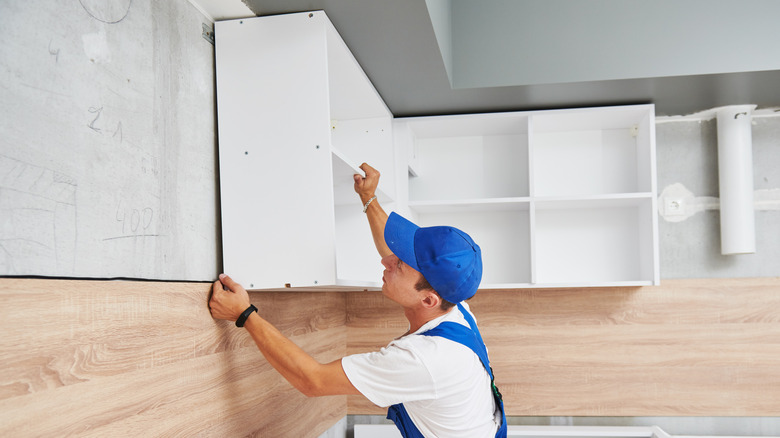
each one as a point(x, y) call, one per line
point(368, 169)
point(227, 281)
point(216, 289)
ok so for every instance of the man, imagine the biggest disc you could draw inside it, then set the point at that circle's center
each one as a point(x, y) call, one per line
point(436, 378)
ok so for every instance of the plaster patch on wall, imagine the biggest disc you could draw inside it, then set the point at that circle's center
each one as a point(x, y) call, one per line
point(96, 47)
point(676, 203)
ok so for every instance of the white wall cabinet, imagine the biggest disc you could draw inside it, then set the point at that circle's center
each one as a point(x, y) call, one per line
point(296, 116)
point(554, 198)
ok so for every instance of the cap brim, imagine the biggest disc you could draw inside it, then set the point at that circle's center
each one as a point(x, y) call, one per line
point(399, 237)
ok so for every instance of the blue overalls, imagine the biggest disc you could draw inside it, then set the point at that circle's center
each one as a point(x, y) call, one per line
point(462, 335)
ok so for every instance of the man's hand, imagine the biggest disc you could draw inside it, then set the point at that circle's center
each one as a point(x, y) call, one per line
point(366, 187)
point(228, 299)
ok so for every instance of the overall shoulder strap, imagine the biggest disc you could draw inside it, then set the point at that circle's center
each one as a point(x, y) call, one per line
point(471, 338)
point(464, 336)
point(397, 413)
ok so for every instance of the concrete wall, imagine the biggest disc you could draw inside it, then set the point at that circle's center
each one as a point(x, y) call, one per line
point(687, 160)
point(108, 145)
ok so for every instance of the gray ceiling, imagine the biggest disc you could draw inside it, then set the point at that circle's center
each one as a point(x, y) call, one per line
point(395, 43)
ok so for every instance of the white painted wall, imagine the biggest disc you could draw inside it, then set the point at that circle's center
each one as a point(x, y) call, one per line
point(505, 42)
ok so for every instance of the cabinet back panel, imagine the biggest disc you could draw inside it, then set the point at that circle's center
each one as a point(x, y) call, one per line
point(356, 255)
point(506, 256)
point(584, 162)
point(587, 245)
point(470, 168)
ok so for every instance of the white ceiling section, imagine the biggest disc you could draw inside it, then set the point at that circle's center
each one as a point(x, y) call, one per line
point(429, 57)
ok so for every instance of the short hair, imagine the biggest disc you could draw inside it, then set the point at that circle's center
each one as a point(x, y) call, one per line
point(422, 284)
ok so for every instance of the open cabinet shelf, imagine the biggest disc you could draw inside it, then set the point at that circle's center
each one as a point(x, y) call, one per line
point(592, 151)
point(502, 234)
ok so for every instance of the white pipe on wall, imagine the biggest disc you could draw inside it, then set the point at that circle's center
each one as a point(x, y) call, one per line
point(735, 167)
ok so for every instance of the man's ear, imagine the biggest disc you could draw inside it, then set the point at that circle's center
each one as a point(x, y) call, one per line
point(431, 299)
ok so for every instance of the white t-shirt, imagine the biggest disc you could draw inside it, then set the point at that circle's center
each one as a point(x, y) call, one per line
point(442, 384)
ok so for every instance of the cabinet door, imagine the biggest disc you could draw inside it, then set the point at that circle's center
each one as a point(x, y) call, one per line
point(297, 115)
point(275, 160)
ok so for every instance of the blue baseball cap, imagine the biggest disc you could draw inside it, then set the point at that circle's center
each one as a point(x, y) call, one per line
point(446, 256)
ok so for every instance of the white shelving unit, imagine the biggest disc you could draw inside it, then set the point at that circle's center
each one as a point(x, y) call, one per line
point(554, 198)
point(557, 198)
point(472, 173)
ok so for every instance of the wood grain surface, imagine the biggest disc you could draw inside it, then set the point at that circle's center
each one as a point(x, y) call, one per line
point(120, 358)
point(117, 358)
point(688, 347)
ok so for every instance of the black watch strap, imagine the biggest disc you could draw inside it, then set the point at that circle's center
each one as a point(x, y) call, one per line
point(242, 319)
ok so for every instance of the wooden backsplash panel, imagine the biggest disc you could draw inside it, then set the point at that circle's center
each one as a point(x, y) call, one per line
point(688, 347)
point(104, 358)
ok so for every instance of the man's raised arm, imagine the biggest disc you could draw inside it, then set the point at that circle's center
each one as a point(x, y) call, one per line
point(366, 189)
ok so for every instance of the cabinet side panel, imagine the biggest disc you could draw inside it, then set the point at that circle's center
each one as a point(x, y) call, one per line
point(276, 186)
point(645, 157)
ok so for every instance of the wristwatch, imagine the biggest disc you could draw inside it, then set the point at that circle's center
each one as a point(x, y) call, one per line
point(242, 319)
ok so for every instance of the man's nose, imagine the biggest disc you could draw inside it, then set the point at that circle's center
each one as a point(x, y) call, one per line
point(389, 261)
